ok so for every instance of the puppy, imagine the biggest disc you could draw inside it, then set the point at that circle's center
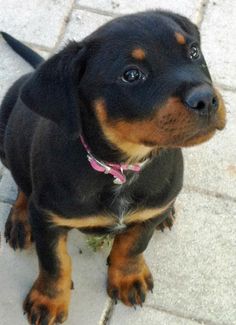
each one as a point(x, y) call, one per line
point(93, 140)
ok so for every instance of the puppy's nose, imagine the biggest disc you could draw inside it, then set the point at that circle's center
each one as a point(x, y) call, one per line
point(202, 99)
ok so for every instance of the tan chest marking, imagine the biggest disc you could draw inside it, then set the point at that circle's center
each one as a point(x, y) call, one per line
point(85, 222)
point(108, 221)
point(144, 215)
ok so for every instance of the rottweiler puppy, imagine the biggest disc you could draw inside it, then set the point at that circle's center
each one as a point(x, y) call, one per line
point(93, 140)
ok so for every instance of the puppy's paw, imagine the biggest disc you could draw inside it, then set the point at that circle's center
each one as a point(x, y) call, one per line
point(169, 221)
point(129, 282)
point(18, 230)
point(46, 306)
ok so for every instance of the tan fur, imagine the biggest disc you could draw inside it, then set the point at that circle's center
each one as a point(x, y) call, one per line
point(180, 38)
point(138, 54)
point(145, 214)
point(135, 151)
point(107, 221)
point(126, 270)
point(53, 293)
point(171, 125)
point(19, 215)
point(86, 222)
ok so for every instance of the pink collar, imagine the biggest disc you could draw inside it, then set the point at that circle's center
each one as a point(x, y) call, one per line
point(116, 170)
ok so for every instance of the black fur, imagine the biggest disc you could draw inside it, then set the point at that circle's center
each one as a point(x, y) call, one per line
point(26, 53)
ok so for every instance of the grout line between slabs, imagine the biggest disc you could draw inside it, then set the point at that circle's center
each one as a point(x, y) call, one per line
point(97, 11)
point(35, 46)
point(222, 196)
point(180, 315)
point(200, 14)
point(107, 312)
point(64, 25)
point(39, 48)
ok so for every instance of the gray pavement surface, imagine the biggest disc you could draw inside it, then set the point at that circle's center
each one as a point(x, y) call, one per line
point(194, 265)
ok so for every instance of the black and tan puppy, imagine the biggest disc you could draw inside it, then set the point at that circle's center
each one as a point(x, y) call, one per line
point(92, 138)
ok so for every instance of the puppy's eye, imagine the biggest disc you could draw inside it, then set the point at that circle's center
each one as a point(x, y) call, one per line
point(133, 75)
point(194, 52)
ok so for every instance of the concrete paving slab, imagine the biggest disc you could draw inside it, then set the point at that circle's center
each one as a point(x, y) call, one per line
point(8, 188)
point(212, 166)
point(218, 40)
point(39, 21)
point(11, 67)
point(148, 316)
point(2, 168)
point(185, 7)
point(82, 23)
point(194, 265)
point(19, 270)
point(89, 276)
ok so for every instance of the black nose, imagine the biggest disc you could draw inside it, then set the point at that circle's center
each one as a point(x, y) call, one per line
point(202, 99)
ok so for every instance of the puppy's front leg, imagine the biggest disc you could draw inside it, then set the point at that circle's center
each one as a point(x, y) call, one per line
point(48, 300)
point(129, 278)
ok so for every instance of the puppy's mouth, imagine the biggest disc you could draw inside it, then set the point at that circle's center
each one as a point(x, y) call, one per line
point(171, 126)
point(185, 139)
point(198, 138)
point(201, 134)
point(180, 127)
point(214, 123)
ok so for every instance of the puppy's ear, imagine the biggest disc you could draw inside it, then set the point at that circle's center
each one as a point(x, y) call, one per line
point(52, 90)
point(185, 24)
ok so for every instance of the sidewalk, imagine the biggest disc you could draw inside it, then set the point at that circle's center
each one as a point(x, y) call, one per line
point(194, 265)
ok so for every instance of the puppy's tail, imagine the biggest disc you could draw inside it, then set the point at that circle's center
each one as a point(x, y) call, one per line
point(30, 56)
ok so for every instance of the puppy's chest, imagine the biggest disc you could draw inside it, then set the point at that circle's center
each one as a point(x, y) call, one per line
point(121, 202)
point(114, 208)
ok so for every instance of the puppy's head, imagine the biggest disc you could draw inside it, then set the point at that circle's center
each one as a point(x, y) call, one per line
point(143, 77)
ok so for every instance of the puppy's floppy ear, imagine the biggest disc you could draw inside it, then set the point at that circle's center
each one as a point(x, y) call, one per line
point(52, 91)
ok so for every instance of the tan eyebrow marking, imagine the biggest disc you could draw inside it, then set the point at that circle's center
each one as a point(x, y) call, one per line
point(180, 38)
point(138, 53)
